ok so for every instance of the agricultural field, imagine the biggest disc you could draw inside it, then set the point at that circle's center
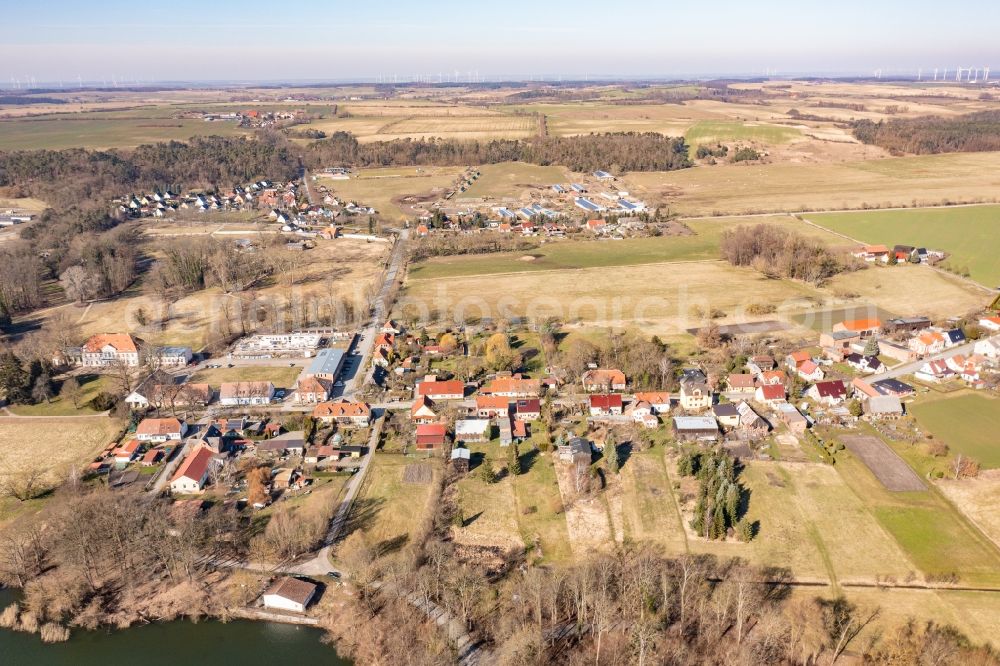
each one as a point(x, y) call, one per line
point(934, 536)
point(661, 298)
point(386, 189)
point(967, 423)
point(67, 131)
point(55, 444)
point(925, 180)
point(510, 179)
point(969, 234)
point(976, 499)
point(709, 132)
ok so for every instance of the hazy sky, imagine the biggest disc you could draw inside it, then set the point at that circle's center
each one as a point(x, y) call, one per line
point(53, 40)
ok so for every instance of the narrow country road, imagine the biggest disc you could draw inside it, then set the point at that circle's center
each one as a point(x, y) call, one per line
point(910, 368)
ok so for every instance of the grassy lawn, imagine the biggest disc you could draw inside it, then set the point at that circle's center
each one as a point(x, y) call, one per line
point(935, 537)
point(968, 424)
point(90, 386)
point(281, 376)
point(570, 254)
point(509, 179)
point(970, 235)
point(387, 507)
point(726, 131)
point(539, 510)
point(648, 507)
point(490, 511)
point(382, 188)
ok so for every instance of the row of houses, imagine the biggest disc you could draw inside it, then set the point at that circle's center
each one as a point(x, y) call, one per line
point(256, 195)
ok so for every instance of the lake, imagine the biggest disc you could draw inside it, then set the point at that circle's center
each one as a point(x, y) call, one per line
point(240, 642)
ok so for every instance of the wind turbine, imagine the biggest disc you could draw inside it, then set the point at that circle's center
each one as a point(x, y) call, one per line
point(986, 74)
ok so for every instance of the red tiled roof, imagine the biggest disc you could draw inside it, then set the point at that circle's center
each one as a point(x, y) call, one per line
point(341, 408)
point(773, 391)
point(158, 427)
point(123, 342)
point(195, 465)
point(606, 401)
point(448, 387)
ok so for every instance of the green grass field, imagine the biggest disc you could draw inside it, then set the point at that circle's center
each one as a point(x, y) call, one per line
point(726, 131)
point(970, 235)
point(511, 178)
point(968, 424)
point(932, 533)
point(574, 254)
point(65, 131)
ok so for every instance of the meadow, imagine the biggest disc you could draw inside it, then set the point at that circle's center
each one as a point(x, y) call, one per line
point(388, 508)
point(383, 188)
point(510, 179)
point(788, 187)
point(54, 444)
point(967, 424)
point(98, 132)
point(282, 376)
point(969, 234)
point(702, 244)
point(707, 132)
point(90, 386)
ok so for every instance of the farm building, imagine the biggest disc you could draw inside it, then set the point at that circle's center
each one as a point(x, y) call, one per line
point(472, 430)
point(460, 459)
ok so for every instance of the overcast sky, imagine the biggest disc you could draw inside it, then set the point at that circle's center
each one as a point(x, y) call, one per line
point(52, 40)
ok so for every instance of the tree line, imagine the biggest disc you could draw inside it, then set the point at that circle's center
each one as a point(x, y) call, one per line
point(629, 151)
point(973, 132)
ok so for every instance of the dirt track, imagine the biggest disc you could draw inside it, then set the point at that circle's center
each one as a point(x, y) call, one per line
point(887, 467)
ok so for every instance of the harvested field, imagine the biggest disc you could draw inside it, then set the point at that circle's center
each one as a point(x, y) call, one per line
point(418, 473)
point(54, 444)
point(909, 290)
point(883, 462)
point(926, 180)
point(617, 296)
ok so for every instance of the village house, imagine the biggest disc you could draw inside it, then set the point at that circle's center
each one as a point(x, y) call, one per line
point(423, 411)
point(810, 371)
point(311, 390)
point(795, 359)
point(151, 457)
point(726, 414)
point(771, 395)
point(528, 409)
point(695, 396)
point(865, 328)
point(695, 428)
point(990, 323)
point(514, 386)
point(165, 396)
point(490, 406)
point(172, 357)
point(659, 401)
point(872, 253)
point(192, 475)
point(160, 430)
point(289, 594)
point(356, 414)
point(286, 444)
point(127, 452)
point(866, 364)
point(893, 387)
point(451, 389)
point(837, 343)
point(431, 436)
point(989, 348)
point(577, 450)
point(603, 380)
point(740, 383)
point(608, 404)
point(246, 393)
point(391, 326)
point(935, 371)
point(832, 392)
point(751, 424)
point(761, 363)
point(928, 343)
point(107, 349)
point(772, 378)
point(472, 430)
